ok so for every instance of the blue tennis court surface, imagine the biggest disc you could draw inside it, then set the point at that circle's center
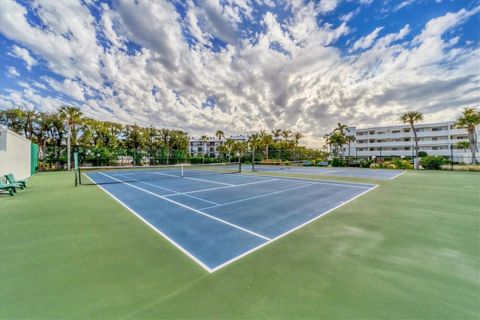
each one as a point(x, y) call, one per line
point(366, 173)
point(216, 219)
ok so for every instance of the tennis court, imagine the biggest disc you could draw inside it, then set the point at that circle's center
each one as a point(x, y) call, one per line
point(217, 218)
point(348, 172)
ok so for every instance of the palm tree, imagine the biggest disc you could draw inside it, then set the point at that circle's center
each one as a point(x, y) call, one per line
point(12, 119)
point(337, 140)
point(349, 140)
point(204, 139)
point(240, 147)
point(229, 145)
point(72, 116)
point(276, 134)
point(328, 142)
point(470, 119)
point(266, 140)
point(40, 132)
point(296, 138)
point(411, 118)
point(340, 128)
point(29, 118)
point(464, 145)
point(219, 134)
point(254, 141)
point(286, 134)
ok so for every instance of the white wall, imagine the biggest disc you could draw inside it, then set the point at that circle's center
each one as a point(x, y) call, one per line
point(15, 154)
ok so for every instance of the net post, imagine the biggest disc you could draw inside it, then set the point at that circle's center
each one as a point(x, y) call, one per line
point(240, 167)
point(182, 174)
point(76, 168)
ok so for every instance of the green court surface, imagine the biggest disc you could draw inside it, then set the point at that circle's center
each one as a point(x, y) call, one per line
point(407, 249)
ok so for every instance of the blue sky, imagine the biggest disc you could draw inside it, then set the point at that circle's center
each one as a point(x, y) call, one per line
point(243, 65)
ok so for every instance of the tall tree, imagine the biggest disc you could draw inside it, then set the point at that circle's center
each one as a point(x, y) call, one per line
point(240, 148)
point(29, 118)
point(229, 146)
point(40, 132)
point(327, 142)
point(337, 140)
point(340, 128)
point(72, 117)
point(13, 119)
point(470, 119)
point(254, 141)
point(204, 139)
point(296, 138)
point(411, 118)
point(266, 140)
point(349, 140)
point(219, 134)
point(276, 133)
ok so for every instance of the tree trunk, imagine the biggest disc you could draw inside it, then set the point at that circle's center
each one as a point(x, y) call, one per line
point(416, 147)
point(473, 144)
point(266, 152)
point(69, 134)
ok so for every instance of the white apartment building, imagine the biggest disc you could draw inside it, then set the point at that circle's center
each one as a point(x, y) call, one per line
point(398, 140)
point(198, 148)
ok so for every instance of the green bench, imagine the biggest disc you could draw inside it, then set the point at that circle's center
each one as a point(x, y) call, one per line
point(19, 183)
point(8, 188)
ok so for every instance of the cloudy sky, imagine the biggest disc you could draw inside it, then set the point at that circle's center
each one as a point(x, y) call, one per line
point(242, 65)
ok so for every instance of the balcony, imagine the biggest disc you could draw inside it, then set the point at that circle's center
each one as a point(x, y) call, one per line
point(407, 153)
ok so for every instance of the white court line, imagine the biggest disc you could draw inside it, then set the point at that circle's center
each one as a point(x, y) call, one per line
point(325, 172)
point(260, 196)
point(187, 207)
point(290, 231)
point(190, 196)
point(398, 175)
point(232, 186)
point(342, 184)
point(203, 180)
point(175, 193)
point(211, 270)
point(191, 256)
point(225, 187)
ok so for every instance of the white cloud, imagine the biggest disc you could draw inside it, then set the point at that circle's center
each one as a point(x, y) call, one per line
point(68, 87)
point(327, 5)
point(367, 41)
point(23, 54)
point(403, 4)
point(290, 74)
point(11, 71)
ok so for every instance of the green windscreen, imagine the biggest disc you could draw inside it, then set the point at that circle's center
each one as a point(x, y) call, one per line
point(34, 158)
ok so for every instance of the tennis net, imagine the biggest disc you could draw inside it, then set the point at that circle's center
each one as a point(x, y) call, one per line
point(272, 166)
point(129, 174)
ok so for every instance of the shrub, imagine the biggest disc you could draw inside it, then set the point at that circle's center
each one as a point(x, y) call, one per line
point(422, 154)
point(402, 164)
point(365, 163)
point(338, 162)
point(375, 165)
point(432, 163)
point(389, 165)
